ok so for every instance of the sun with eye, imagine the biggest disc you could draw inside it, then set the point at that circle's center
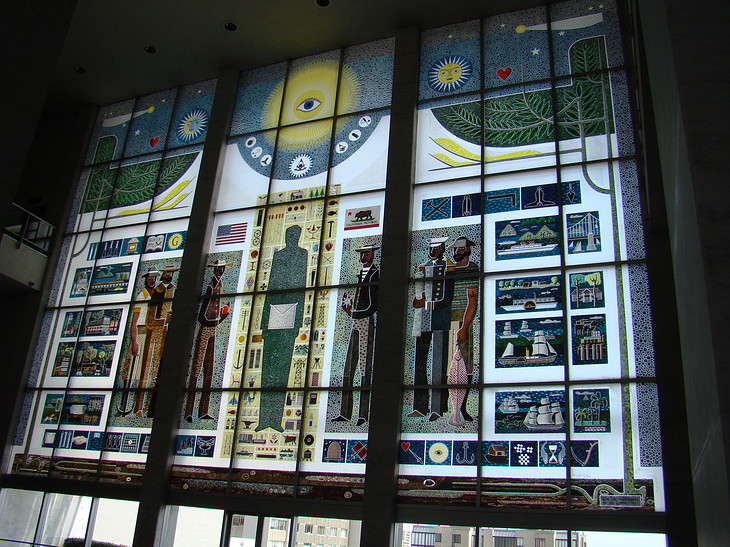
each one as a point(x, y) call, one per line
point(309, 95)
point(449, 73)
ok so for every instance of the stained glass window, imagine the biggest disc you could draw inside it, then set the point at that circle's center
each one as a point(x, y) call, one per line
point(527, 338)
point(279, 381)
point(90, 403)
point(528, 377)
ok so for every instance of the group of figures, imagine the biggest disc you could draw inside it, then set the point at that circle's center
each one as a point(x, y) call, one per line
point(441, 282)
point(151, 315)
point(446, 302)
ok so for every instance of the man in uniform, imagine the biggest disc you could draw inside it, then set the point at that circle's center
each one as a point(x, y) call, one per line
point(210, 315)
point(432, 324)
point(360, 348)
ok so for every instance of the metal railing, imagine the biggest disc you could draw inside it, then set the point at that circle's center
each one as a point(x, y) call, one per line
point(29, 229)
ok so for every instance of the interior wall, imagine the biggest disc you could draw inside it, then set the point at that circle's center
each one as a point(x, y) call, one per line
point(687, 52)
point(31, 36)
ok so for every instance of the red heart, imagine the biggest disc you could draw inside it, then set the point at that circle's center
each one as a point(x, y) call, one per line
point(154, 141)
point(328, 246)
point(504, 72)
point(405, 446)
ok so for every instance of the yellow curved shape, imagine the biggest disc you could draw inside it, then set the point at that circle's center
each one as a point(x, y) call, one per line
point(128, 212)
point(162, 207)
point(513, 155)
point(457, 149)
point(179, 187)
point(452, 163)
point(454, 148)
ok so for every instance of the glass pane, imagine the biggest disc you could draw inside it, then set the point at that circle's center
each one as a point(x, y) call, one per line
point(422, 535)
point(516, 48)
point(311, 85)
point(519, 130)
point(258, 100)
point(627, 539)
point(360, 152)
point(276, 532)
point(371, 67)
point(243, 531)
point(192, 526)
point(115, 521)
point(247, 167)
point(176, 185)
point(110, 131)
point(303, 152)
point(585, 38)
point(593, 117)
point(449, 60)
point(314, 531)
point(63, 517)
point(612, 450)
point(449, 139)
point(189, 123)
point(148, 128)
point(19, 510)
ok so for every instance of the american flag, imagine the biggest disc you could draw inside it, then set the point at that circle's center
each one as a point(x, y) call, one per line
point(231, 233)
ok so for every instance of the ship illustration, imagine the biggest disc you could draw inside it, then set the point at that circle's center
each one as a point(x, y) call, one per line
point(509, 406)
point(542, 353)
point(527, 247)
point(546, 417)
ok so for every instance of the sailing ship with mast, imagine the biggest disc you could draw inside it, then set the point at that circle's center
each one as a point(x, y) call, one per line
point(541, 353)
point(509, 405)
point(545, 417)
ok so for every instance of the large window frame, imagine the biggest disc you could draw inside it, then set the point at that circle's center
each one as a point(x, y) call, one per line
point(378, 516)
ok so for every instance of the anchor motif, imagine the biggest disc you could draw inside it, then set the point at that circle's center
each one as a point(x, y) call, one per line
point(466, 457)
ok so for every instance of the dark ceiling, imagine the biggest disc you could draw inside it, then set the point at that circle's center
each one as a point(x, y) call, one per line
point(107, 38)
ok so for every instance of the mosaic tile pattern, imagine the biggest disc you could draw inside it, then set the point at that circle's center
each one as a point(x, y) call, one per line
point(647, 410)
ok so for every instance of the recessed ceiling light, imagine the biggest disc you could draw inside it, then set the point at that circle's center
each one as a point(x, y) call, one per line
point(150, 49)
point(230, 26)
point(79, 69)
point(323, 3)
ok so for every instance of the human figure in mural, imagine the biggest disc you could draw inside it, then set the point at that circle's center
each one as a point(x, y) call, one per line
point(466, 291)
point(138, 339)
point(209, 317)
point(280, 322)
point(432, 322)
point(156, 319)
point(360, 348)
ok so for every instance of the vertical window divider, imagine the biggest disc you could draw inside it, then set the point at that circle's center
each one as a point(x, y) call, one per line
point(175, 360)
point(378, 516)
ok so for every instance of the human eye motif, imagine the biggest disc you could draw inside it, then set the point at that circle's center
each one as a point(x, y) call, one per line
point(309, 104)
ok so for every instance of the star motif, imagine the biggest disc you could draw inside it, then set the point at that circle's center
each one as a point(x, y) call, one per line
point(535, 51)
point(590, 8)
point(200, 91)
point(561, 33)
point(163, 100)
point(502, 25)
point(136, 133)
point(600, 6)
